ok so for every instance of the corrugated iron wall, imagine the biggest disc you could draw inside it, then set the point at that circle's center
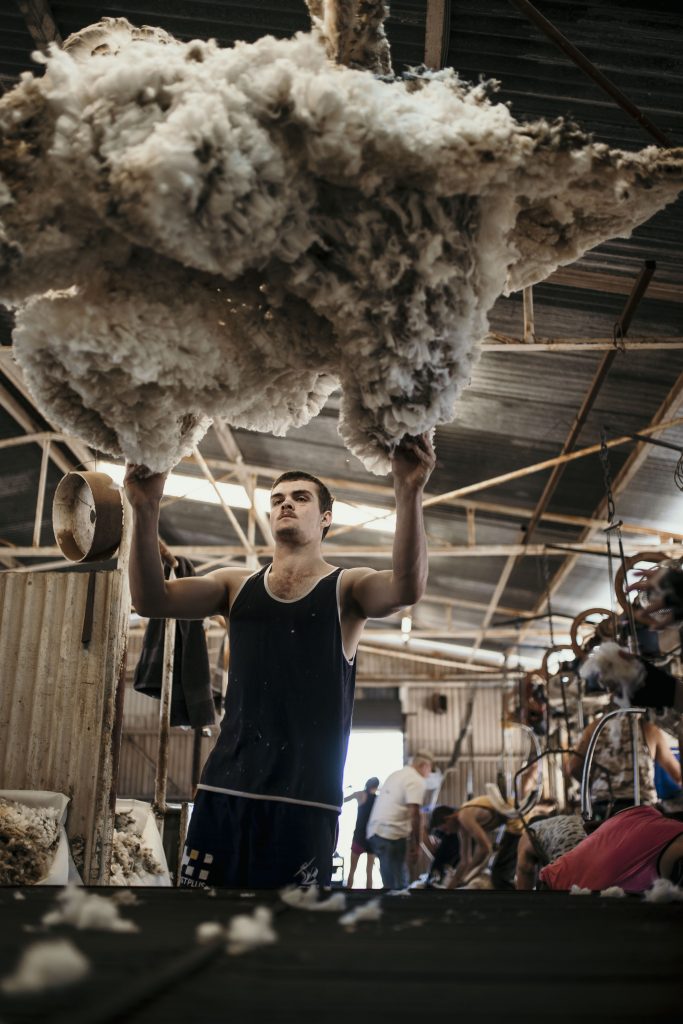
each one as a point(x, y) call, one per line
point(58, 696)
point(436, 733)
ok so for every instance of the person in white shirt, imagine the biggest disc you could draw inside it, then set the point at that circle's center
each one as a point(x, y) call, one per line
point(394, 826)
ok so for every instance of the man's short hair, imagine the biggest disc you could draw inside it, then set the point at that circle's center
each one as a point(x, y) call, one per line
point(439, 815)
point(325, 499)
point(420, 759)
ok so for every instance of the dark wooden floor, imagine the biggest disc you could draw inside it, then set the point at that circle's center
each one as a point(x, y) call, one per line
point(460, 956)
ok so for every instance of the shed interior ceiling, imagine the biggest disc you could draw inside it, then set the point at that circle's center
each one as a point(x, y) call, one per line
point(521, 403)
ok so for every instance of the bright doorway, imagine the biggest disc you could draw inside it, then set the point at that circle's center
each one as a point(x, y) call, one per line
point(371, 752)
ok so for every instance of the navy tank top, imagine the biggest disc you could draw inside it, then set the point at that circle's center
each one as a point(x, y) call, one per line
point(289, 701)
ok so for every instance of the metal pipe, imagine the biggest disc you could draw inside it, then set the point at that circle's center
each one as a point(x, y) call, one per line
point(586, 803)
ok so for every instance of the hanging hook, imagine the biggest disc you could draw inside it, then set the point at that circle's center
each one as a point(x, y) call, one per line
point(618, 337)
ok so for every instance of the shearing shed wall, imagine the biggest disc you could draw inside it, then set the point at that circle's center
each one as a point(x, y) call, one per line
point(58, 696)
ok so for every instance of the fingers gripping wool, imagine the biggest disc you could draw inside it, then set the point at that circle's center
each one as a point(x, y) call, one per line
point(188, 232)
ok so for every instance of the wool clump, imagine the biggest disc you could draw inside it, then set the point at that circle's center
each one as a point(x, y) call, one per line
point(132, 861)
point(46, 965)
point(29, 837)
point(664, 891)
point(189, 232)
point(370, 911)
point(247, 932)
point(86, 911)
point(309, 899)
point(613, 891)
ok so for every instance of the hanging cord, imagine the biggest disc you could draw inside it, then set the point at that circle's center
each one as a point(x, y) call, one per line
point(614, 526)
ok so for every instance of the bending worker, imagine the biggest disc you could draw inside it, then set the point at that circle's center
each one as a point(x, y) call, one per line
point(266, 809)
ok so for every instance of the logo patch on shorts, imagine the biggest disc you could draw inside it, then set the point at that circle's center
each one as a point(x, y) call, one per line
point(307, 874)
point(196, 865)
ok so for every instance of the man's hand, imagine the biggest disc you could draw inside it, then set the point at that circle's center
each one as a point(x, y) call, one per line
point(143, 487)
point(413, 461)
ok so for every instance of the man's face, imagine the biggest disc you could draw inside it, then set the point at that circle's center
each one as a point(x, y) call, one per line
point(295, 512)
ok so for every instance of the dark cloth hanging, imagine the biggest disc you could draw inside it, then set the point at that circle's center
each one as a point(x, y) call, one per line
point(192, 700)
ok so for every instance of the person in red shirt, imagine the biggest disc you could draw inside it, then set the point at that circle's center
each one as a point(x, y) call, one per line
point(631, 850)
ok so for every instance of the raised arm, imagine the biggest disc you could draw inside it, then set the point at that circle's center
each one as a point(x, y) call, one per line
point(481, 848)
point(376, 594)
point(151, 594)
point(664, 756)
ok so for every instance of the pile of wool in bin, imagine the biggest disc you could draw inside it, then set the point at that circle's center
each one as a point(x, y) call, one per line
point(131, 859)
point(29, 837)
point(189, 232)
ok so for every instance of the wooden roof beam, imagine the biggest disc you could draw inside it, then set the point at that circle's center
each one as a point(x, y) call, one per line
point(229, 445)
point(84, 457)
point(380, 551)
point(40, 22)
point(497, 342)
point(249, 548)
point(581, 61)
point(437, 26)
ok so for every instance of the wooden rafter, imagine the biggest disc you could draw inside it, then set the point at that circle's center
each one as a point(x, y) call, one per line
point(83, 455)
point(594, 73)
point(587, 279)
point(495, 508)
point(229, 445)
point(428, 659)
point(249, 548)
point(19, 414)
point(40, 22)
point(436, 28)
point(621, 327)
point(377, 551)
point(515, 474)
point(493, 633)
point(497, 342)
point(581, 453)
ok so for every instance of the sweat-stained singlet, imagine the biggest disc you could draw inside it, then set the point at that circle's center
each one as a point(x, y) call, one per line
point(290, 697)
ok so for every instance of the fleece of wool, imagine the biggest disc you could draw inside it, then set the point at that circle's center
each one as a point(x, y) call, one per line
point(189, 232)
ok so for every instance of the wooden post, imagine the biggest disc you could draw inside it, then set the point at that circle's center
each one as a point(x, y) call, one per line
point(40, 500)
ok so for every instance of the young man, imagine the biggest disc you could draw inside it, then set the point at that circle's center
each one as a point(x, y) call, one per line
point(266, 809)
point(475, 823)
